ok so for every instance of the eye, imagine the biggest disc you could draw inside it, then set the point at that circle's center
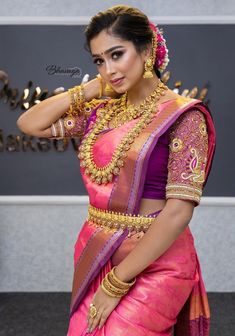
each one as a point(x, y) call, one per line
point(118, 53)
point(115, 55)
point(97, 60)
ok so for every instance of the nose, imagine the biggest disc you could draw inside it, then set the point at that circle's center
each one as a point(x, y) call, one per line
point(109, 68)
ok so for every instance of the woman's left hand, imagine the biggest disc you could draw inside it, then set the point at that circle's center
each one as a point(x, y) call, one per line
point(104, 304)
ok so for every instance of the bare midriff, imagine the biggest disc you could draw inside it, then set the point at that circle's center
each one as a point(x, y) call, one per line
point(148, 205)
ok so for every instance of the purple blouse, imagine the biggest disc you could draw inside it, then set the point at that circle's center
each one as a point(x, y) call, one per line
point(157, 172)
point(176, 167)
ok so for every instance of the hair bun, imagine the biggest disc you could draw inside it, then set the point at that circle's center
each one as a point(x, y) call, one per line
point(162, 58)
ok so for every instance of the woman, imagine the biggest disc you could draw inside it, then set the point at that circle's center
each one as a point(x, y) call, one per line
point(145, 156)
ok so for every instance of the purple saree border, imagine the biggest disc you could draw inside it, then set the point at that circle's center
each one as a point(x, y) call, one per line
point(104, 255)
point(87, 245)
point(140, 171)
point(196, 327)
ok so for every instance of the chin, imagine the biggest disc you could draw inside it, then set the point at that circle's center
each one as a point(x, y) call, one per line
point(120, 90)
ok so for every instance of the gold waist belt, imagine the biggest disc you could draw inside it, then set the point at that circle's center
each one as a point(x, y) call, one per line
point(113, 221)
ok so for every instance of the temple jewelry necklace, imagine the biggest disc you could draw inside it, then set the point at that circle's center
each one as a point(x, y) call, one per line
point(121, 113)
point(134, 111)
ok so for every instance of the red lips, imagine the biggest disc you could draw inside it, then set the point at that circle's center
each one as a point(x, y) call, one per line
point(116, 80)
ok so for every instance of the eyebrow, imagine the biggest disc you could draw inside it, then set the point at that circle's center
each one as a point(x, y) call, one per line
point(108, 50)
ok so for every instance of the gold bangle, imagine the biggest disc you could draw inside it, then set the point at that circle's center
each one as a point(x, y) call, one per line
point(101, 86)
point(106, 291)
point(77, 99)
point(113, 288)
point(117, 284)
point(72, 105)
point(109, 291)
point(122, 283)
point(81, 93)
point(79, 96)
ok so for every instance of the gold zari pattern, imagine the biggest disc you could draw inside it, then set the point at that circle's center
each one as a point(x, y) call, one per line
point(187, 157)
point(183, 192)
point(113, 221)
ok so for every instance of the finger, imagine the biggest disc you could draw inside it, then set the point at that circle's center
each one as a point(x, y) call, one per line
point(91, 319)
point(85, 78)
point(95, 321)
point(102, 321)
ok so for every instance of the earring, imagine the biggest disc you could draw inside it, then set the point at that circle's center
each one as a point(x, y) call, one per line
point(148, 68)
point(149, 63)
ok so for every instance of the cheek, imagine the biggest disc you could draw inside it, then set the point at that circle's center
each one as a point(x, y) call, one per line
point(131, 63)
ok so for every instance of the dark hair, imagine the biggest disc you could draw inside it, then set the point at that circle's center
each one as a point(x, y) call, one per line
point(125, 22)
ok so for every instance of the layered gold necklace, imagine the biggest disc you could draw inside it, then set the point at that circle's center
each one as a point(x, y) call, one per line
point(117, 111)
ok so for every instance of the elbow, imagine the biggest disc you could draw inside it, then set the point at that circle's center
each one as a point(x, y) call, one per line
point(22, 125)
point(180, 211)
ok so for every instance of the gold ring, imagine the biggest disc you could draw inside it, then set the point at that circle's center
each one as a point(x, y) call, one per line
point(92, 311)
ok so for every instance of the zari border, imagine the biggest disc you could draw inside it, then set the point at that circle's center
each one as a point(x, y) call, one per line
point(97, 252)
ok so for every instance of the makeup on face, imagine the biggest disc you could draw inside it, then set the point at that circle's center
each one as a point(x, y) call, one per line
point(117, 62)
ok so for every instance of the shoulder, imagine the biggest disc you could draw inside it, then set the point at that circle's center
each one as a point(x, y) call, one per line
point(189, 129)
point(193, 116)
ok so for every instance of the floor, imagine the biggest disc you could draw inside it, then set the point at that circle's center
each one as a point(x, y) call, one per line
point(39, 314)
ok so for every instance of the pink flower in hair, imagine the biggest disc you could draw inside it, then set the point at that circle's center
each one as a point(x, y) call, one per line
point(162, 58)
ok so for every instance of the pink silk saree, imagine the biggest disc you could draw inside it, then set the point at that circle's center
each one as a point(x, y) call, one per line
point(169, 296)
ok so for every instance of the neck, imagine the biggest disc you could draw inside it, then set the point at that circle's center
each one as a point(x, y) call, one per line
point(141, 90)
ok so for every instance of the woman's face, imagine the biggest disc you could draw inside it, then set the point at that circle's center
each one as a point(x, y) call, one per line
point(117, 58)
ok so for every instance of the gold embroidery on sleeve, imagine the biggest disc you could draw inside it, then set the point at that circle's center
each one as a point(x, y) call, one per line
point(196, 168)
point(187, 157)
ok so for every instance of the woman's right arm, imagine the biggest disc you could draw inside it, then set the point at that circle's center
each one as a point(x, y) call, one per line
point(37, 120)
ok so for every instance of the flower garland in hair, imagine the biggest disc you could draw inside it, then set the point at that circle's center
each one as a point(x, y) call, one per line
point(162, 58)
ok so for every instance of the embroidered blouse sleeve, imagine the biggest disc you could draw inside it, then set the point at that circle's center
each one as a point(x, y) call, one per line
point(73, 125)
point(187, 157)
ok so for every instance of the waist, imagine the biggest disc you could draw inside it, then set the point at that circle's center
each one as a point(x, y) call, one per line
point(113, 221)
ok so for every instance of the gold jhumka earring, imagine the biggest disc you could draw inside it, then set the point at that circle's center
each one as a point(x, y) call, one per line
point(149, 63)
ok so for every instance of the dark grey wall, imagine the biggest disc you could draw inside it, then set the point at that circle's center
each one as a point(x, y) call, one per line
point(198, 54)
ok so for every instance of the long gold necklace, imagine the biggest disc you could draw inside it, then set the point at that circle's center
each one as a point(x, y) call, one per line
point(121, 113)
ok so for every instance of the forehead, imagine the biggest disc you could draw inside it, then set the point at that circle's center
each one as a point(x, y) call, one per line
point(104, 41)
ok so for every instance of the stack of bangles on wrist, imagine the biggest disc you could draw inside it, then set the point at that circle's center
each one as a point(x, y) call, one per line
point(77, 101)
point(113, 286)
point(78, 106)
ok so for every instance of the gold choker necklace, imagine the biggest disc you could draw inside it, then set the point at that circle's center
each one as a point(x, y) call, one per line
point(134, 111)
point(117, 109)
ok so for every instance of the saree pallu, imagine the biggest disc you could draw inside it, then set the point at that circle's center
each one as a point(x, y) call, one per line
point(169, 296)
